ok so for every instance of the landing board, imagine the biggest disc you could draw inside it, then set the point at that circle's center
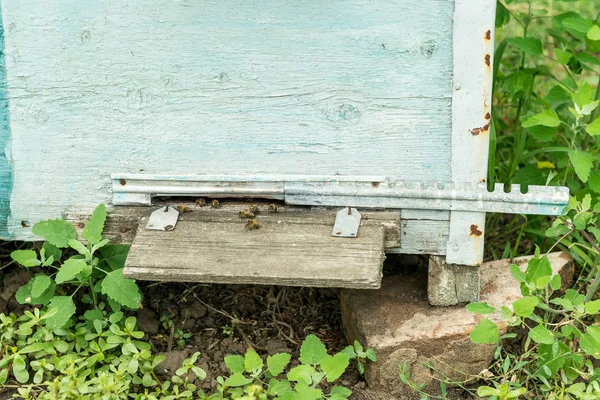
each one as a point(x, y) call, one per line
point(289, 248)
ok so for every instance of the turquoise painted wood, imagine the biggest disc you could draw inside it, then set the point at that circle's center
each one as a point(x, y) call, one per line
point(5, 162)
point(334, 88)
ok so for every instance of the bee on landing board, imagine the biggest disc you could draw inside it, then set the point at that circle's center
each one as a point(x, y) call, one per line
point(246, 214)
point(215, 204)
point(252, 224)
point(201, 202)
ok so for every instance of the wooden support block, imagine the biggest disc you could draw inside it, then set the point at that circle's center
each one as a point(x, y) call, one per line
point(290, 248)
point(450, 284)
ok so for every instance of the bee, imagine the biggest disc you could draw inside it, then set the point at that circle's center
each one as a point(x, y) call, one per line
point(246, 214)
point(200, 202)
point(215, 204)
point(183, 209)
point(273, 208)
point(252, 224)
point(254, 209)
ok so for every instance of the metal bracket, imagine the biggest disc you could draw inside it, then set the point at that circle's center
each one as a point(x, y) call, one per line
point(163, 219)
point(347, 222)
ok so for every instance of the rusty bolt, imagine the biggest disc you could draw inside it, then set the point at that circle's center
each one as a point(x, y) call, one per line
point(475, 230)
point(81, 225)
point(375, 184)
point(123, 182)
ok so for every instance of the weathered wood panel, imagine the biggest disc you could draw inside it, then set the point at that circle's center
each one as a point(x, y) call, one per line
point(287, 249)
point(5, 164)
point(354, 87)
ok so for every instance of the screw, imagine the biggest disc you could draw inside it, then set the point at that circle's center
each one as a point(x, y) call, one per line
point(349, 211)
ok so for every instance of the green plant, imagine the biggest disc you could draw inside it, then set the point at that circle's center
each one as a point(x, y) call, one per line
point(560, 343)
point(251, 378)
point(545, 119)
point(97, 267)
point(99, 356)
point(357, 352)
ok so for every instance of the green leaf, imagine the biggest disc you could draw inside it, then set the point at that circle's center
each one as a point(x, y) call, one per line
point(27, 258)
point(371, 355)
point(540, 334)
point(52, 251)
point(502, 15)
point(93, 229)
point(335, 366)
point(562, 56)
point(121, 290)
point(558, 95)
point(480, 308)
point(79, 247)
point(524, 306)
point(592, 307)
point(527, 44)
point(114, 255)
point(590, 341)
point(547, 118)
point(304, 392)
point(301, 373)
point(555, 282)
point(516, 272)
point(582, 163)
point(277, 363)
point(235, 364)
point(486, 332)
point(237, 380)
point(70, 269)
point(19, 369)
point(577, 25)
point(594, 33)
point(24, 296)
point(55, 231)
point(312, 350)
point(39, 284)
point(340, 393)
point(279, 387)
point(252, 362)
point(65, 309)
point(594, 128)
point(537, 268)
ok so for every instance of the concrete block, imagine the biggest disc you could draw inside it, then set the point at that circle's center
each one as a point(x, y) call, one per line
point(400, 324)
point(451, 284)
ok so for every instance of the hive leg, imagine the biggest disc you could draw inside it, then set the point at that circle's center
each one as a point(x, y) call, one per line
point(450, 284)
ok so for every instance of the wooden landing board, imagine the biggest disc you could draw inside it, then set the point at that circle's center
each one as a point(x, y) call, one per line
point(293, 249)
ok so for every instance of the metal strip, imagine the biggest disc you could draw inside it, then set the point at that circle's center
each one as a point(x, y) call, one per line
point(542, 200)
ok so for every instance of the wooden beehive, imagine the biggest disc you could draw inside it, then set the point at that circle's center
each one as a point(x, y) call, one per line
point(328, 103)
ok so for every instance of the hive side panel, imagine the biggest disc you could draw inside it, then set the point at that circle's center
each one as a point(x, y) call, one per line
point(353, 87)
point(6, 178)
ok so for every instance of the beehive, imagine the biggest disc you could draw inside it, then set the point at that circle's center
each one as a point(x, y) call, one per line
point(377, 104)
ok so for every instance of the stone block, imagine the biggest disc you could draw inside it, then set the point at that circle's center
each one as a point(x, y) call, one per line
point(398, 322)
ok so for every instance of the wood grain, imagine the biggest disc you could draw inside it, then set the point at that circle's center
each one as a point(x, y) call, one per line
point(353, 87)
point(296, 250)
